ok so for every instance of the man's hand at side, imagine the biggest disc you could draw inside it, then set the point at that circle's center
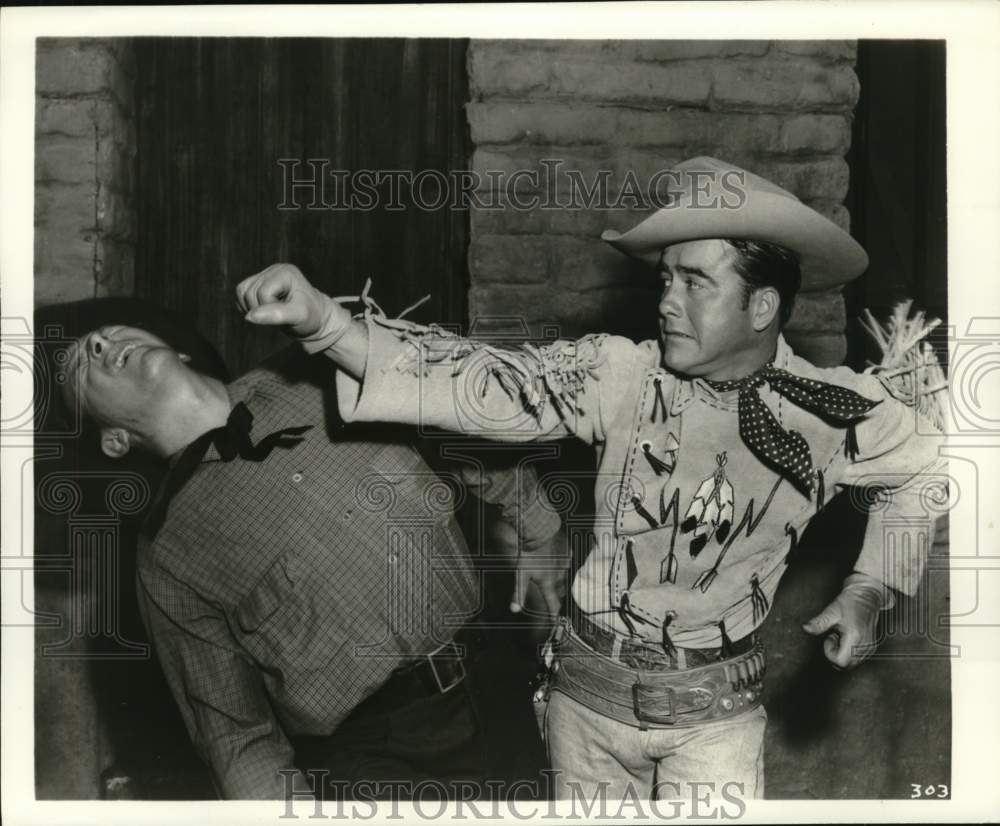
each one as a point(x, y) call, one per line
point(850, 621)
point(540, 573)
point(546, 569)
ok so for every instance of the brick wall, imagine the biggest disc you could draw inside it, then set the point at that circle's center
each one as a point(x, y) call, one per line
point(84, 156)
point(782, 109)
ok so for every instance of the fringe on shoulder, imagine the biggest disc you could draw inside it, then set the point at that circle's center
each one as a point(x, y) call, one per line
point(909, 369)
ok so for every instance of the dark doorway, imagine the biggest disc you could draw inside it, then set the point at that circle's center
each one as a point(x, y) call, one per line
point(217, 117)
point(898, 183)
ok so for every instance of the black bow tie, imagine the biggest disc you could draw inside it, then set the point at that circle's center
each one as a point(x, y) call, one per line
point(232, 441)
point(788, 451)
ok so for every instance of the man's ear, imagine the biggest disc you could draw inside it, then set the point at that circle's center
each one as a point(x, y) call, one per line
point(764, 307)
point(184, 357)
point(115, 442)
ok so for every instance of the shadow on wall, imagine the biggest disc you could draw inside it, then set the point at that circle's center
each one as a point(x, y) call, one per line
point(873, 731)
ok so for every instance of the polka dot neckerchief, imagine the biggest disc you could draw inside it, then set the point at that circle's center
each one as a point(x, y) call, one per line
point(787, 450)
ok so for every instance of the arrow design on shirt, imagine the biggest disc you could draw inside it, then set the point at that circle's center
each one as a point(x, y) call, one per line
point(661, 466)
point(672, 447)
point(668, 567)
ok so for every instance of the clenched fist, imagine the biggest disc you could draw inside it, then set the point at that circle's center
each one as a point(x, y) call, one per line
point(281, 296)
point(850, 621)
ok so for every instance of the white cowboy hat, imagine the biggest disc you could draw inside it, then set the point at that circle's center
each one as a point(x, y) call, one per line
point(715, 199)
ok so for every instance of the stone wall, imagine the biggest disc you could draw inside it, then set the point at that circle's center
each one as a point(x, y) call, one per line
point(782, 109)
point(84, 169)
point(84, 244)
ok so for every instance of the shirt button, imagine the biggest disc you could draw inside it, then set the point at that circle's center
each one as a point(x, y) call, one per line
point(296, 477)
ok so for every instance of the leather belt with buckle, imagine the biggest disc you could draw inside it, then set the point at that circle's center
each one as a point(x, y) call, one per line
point(658, 699)
point(639, 706)
point(436, 673)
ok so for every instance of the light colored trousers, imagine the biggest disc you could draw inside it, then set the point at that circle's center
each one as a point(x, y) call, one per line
point(589, 749)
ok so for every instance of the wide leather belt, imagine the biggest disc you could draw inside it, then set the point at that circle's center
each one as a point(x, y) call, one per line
point(658, 699)
point(637, 653)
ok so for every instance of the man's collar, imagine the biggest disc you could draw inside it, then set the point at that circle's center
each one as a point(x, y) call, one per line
point(783, 355)
point(237, 392)
point(686, 390)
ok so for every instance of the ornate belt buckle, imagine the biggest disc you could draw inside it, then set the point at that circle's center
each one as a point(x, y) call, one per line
point(668, 719)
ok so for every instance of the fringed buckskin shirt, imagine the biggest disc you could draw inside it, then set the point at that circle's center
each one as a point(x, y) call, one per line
point(692, 531)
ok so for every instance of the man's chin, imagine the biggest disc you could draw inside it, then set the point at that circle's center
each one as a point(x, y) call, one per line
point(676, 353)
point(159, 360)
point(679, 368)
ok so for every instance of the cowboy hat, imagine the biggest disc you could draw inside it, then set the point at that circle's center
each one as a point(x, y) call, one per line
point(714, 199)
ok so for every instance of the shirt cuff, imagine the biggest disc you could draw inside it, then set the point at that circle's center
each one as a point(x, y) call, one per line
point(859, 579)
point(392, 390)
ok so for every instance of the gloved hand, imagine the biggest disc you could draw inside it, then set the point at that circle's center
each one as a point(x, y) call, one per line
point(282, 296)
point(849, 622)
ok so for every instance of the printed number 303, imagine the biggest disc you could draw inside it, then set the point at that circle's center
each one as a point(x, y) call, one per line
point(940, 791)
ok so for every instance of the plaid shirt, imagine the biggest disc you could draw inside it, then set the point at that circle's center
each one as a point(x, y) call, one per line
point(279, 594)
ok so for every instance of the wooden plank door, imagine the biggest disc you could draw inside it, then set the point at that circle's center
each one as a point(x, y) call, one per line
point(222, 120)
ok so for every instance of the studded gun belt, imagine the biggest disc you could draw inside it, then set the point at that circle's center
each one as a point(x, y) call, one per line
point(658, 699)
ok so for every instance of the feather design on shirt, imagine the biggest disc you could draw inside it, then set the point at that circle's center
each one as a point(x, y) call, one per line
point(748, 522)
point(711, 510)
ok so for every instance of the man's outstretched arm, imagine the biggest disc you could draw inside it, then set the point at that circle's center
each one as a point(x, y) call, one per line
point(396, 371)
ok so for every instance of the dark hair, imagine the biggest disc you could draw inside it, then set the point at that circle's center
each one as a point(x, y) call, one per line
point(762, 264)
